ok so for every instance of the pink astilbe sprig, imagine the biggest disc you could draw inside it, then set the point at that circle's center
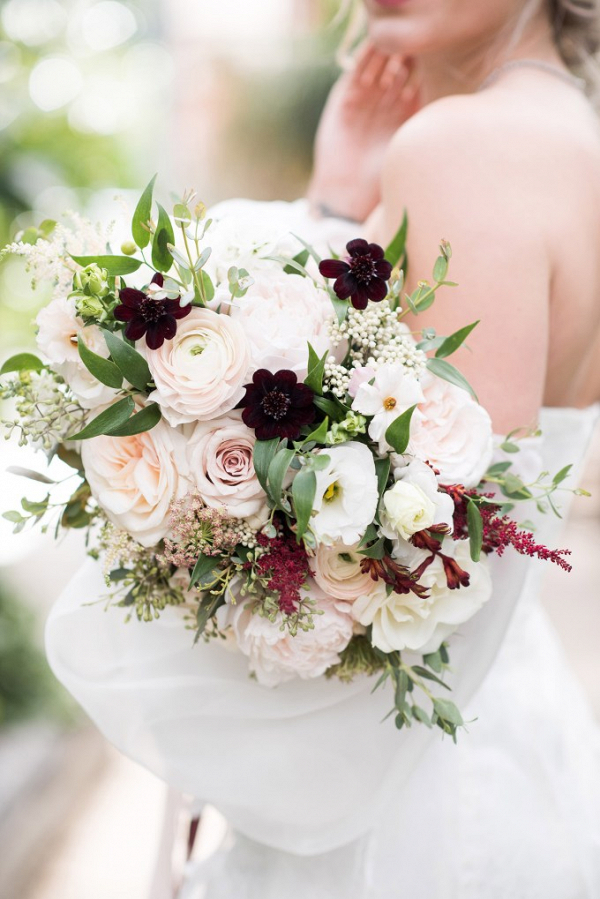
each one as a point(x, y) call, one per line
point(283, 568)
point(196, 529)
point(500, 531)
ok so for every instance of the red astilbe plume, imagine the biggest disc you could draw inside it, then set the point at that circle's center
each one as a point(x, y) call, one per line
point(283, 568)
point(500, 531)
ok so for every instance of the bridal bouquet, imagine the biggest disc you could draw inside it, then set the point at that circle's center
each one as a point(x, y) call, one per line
point(258, 438)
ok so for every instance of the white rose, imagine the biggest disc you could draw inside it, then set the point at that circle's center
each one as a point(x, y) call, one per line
point(58, 330)
point(337, 572)
point(405, 621)
point(280, 314)
point(200, 373)
point(134, 479)
point(453, 432)
point(275, 656)
point(219, 456)
point(393, 391)
point(414, 502)
point(346, 498)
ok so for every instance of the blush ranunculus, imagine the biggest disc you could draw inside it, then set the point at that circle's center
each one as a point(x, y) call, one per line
point(219, 456)
point(135, 479)
point(337, 572)
point(200, 373)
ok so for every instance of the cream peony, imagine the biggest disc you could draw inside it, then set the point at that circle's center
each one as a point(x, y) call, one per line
point(453, 432)
point(414, 502)
point(392, 392)
point(275, 656)
point(280, 314)
point(219, 457)
point(337, 572)
point(135, 479)
point(346, 498)
point(200, 374)
point(404, 621)
point(58, 330)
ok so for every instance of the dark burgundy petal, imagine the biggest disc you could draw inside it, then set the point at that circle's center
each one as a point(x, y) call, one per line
point(136, 328)
point(383, 269)
point(376, 252)
point(131, 297)
point(304, 416)
point(358, 247)
point(168, 326)
point(345, 286)
point(264, 380)
point(270, 428)
point(302, 395)
point(286, 380)
point(360, 297)
point(176, 310)
point(333, 268)
point(158, 279)
point(376, 290)
point(124, 313)
point(154, 336)
point(253, 416)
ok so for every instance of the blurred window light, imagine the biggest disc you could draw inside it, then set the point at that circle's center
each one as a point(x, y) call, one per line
point(107, 24)
point(10, 61)
point(54, 82)
point(106, 105)
point(33, 22)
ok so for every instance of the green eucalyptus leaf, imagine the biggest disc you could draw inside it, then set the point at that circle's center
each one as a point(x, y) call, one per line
point(30, 474)
point(163, 236)
point(105, 423)
point(398, 433)
point(132, 364)
point(440, 269)
point(277, 470)
point(316, 369)
point(475, 525)
point(22, 362)
point(142, 215)
point(454, 341)
point(509, 447)
point(560, 476)
point(114, 265)
point(144, 420)
point(102, 369)
point(442, 369)
point(331, 407)
point(205, 565)
point(446, 710)
point(263, 454)
point(429, 675)
point(382, 467)
point(396, 250)
point(297, 265)
point(304, 488)
point(319, 434)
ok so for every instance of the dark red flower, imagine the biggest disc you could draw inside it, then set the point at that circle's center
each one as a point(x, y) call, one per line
point(401, 579)
point(157, 319)
point(276, 405)
point(362, 276)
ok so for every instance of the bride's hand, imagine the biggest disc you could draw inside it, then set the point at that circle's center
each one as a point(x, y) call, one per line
point(365, 108)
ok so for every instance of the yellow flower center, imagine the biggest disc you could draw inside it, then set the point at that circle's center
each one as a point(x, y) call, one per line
point(389, 403)
point(331, 492)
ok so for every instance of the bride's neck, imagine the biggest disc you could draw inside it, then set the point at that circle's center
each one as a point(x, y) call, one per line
point(462, 71)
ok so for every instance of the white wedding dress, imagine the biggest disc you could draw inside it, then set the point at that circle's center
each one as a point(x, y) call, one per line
point(325, 801)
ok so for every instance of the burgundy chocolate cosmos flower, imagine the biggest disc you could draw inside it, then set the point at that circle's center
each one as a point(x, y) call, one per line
point(276, 405)
point(157, 319)
point(362, 276)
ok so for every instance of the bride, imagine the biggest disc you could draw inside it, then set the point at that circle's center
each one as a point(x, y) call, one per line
point(474, 117)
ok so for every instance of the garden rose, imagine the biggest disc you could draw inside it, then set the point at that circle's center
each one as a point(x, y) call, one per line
point(200, 373)
point(58, 329)
point(219, 457)
point(414, 502)
point(453, 432)
point(337, 572)
point(280, 314)
point(275, 656)
point(346, 497)
point(135, 479)
point(405, 621)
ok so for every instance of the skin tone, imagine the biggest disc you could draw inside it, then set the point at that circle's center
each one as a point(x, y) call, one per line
point(510, 175)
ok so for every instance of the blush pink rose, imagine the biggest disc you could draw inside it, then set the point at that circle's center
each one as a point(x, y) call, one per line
point(200, 373)
point(219, 457)
point(134, 479)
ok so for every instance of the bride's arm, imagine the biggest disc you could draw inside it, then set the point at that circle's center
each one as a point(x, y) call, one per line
point(464, 179)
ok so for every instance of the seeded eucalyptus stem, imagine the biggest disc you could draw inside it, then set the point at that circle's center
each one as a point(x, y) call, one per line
point(197, 279)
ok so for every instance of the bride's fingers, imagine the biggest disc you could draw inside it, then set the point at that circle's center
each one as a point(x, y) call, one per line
point(372, 70)
point(395, 70)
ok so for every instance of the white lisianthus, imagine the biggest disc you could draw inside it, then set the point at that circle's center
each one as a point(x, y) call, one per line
point(200, 373)
point(280, 315)
point(346, 497)
point(338, 573)
point(275, 655)
point(393, 391)
point(453, 432)
point(414, 502)
point(58, 330)
point(406, 621)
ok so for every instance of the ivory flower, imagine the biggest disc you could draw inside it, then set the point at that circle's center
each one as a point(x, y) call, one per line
point(200, 373)
point(414, 502)
point(346, 497)
point(392, 392)
point(337, 572)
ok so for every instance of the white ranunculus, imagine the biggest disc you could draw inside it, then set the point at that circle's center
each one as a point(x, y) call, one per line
point(337, 572)
point(453, 432)
point(414, 502)
point(200, 373)
point(404, 621)
point(393, 391)
point(275, 656)
point(58, 330)
point(134, 479)
point(346, 497)
point(219, 456)
point(280, 315)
